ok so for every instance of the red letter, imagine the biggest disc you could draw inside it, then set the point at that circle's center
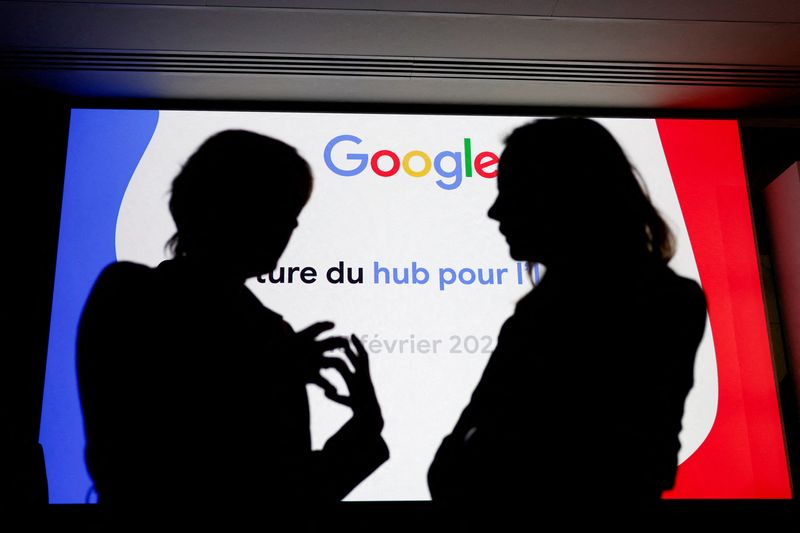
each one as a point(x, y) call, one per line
point(395, 163)
point(483, 160)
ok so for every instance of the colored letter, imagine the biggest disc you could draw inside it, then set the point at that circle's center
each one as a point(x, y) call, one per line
point(378, 269)
point(426, 163)
point(419, 274)
point(456, 173)
point(483, 160)
point(361, 158)
point(395, 163)
point(447, 276)
point(468, 157)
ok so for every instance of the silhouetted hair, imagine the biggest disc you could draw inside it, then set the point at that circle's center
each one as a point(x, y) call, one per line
point(578, 160)
point(236, 177)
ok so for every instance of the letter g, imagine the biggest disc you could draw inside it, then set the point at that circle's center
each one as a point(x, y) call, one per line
point(361, 158)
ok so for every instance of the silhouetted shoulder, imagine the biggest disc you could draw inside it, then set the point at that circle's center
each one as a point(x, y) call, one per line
point(115, 293)
point(121, 278)
point(124, 268)
point(107, 352)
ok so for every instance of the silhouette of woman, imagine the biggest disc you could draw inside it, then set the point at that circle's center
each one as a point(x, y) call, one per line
point(193, 392)
point(583, 397)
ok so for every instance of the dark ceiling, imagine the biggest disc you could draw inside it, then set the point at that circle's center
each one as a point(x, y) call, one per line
point(736, 55)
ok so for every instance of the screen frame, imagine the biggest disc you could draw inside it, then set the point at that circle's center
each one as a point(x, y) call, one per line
point(439, 109)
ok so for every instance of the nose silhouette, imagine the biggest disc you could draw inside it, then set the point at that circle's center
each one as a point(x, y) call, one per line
point(494, 210)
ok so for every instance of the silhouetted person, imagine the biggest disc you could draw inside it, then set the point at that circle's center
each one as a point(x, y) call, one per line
point(193, 392)
point(581, 402)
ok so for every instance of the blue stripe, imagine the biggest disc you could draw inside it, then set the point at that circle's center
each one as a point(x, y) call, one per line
point(105, 147)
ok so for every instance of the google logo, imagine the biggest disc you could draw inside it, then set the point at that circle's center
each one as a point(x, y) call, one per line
point(450, 166)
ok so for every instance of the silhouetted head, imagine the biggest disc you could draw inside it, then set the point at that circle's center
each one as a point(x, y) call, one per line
point(566, 193)
point(236, 201)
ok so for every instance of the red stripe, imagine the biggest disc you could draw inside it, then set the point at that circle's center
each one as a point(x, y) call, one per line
point(744, 455)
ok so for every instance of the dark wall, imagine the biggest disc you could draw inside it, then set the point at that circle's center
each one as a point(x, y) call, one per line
point(32, 160)
point(768, 151)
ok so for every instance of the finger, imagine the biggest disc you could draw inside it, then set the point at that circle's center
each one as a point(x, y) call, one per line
point(352, 358)
point(338, 398)
point(331, 343)
point(330, 391)
point(363, 356)
point(314, 330)
point(341, 367)
point(326, 386)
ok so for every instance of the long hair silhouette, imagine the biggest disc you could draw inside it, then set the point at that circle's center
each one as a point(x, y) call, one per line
point(573, 171)
point(582, 400)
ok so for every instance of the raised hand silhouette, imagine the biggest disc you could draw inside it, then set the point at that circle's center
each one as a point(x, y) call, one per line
point(193, 392)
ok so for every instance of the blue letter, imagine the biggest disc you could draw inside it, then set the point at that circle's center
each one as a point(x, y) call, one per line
point(447, 276)
point(380, 270)
point(361, 158)
point(455, 173)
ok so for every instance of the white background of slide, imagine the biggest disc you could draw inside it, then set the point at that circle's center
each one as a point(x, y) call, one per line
point(397, 221)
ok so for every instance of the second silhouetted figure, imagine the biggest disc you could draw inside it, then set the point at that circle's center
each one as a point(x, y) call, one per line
point(582, 400)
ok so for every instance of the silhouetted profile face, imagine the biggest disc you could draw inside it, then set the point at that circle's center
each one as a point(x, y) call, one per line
point(521, 209)
point(532, 206)
point(236, 202)
point(567, 193)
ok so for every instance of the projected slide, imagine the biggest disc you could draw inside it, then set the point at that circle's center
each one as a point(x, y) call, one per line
point(395, 246)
